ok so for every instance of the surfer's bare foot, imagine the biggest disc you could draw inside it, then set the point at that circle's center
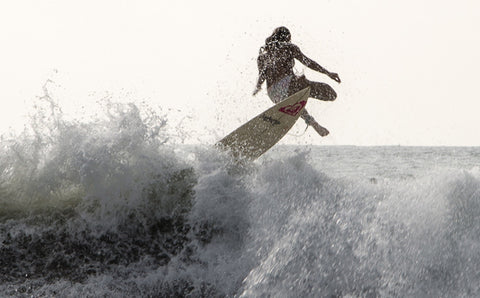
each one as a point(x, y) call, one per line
point(322, 131)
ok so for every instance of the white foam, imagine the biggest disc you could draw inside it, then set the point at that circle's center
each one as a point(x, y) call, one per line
point(299, 221)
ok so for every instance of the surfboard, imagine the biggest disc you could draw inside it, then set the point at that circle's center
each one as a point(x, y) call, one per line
point(255, 137)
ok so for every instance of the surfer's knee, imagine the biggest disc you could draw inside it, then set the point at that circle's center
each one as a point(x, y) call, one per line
point(324, 92)
point(331, 95)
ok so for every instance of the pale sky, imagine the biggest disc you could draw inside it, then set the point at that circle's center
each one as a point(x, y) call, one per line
point(409, 68)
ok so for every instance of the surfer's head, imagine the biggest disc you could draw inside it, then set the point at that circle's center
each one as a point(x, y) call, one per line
point(280, 34)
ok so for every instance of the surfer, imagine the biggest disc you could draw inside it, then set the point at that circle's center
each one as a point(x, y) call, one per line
point(275, 65)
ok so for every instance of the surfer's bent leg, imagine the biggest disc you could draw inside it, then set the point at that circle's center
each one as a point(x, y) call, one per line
point(307, 117)
point(322, 91)
point(311, 122)
point(318, 90)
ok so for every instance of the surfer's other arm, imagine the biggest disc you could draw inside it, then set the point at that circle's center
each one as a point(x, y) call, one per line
point(313, 65)
point(261, 76)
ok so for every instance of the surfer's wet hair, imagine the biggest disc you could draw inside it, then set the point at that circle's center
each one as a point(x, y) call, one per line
point(280, 34)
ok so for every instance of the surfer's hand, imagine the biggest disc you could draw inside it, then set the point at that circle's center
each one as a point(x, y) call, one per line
point(334, 76)
point(256, 90)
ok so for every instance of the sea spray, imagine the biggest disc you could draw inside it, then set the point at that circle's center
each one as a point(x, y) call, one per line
point(79, 199)
point(306, 233)
point(114, 205)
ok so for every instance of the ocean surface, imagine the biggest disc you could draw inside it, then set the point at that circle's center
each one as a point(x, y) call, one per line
point(114, 208)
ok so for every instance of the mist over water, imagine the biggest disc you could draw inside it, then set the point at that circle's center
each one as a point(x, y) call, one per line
point(115, 206)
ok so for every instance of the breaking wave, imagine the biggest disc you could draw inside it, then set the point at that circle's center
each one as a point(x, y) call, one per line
point(113, 207)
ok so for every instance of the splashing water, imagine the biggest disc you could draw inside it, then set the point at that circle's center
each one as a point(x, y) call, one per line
point(113, 206)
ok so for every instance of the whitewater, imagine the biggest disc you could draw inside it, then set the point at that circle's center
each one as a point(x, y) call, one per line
point(115, 207)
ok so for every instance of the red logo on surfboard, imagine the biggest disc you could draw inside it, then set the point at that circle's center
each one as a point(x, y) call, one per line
point(293, 110)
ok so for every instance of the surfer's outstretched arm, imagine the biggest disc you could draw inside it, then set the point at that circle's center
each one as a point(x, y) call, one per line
point(313, 65)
